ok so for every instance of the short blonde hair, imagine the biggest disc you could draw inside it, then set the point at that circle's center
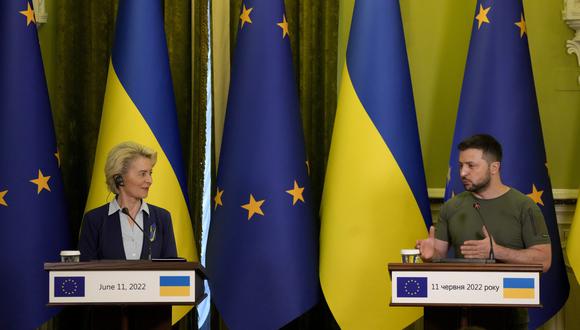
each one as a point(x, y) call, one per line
point(120, 158)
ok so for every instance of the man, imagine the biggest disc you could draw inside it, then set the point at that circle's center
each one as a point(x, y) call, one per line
point(514, 222)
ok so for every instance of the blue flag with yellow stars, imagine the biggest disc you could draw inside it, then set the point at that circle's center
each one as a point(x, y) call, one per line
point(498, 98)
point(33, 220)
point(262, 254)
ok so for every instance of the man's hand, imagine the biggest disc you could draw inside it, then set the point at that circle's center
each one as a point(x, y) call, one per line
point(427, 246)
point(477, 249)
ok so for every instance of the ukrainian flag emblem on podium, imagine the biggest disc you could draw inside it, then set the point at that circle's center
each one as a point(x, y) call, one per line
point(171, 286)
point(518, 288)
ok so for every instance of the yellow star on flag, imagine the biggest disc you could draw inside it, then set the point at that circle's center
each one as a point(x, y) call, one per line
point(218, 198)
point(284, 26)
point(296, 193)
point(522, 25)
point(253, 207)
point(536, 195)
point(482, 16)
point(29, 13)
point(245, 16)
point(57, 155)
point(41, 182)
point(2, 200)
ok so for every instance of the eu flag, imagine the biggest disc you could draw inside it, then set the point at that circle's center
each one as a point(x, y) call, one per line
point(498, 98)
point(412, 287)
point(34, 226)
point(262, 254)
point(69, 286)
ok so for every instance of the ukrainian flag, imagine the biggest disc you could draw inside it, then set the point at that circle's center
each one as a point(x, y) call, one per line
point(174, 286)
point(139, 106)
point(375, 197)
point(518, 288)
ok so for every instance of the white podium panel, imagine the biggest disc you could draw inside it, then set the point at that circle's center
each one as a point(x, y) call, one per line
point(479, 288)
point(465, 285)
point(125, 282)
point(122, 287)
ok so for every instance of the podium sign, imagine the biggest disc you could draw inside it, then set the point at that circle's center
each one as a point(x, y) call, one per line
point(126, 282)
point(122, 286)
point(461, 284)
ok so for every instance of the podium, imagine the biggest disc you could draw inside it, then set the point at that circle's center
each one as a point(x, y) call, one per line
point(455, 290)
point(126, 294)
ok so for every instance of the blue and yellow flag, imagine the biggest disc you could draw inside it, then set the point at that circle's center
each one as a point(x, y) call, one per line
point(518, 288)
point(573, 243)
point(375, 197)
point(262, 254)
point(32, 205)
point(498, 98)
point(139, 106)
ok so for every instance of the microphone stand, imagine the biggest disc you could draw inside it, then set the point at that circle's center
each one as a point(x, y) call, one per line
point(491, 258)
point(126, 212)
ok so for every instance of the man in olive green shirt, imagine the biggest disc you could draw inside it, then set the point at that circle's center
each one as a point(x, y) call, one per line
point(514, 222)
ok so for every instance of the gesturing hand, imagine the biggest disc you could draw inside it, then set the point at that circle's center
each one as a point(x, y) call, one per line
point(477, 248)
point(427, 246)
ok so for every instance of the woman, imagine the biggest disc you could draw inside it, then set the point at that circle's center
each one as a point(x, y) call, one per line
point(127, 227)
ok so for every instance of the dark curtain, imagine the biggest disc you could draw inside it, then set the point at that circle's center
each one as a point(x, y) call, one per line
point(76, 45)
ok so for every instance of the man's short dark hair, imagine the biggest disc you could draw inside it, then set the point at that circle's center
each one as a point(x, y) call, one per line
point(488, 144)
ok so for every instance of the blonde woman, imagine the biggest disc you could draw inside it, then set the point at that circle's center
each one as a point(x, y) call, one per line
point(127, 227)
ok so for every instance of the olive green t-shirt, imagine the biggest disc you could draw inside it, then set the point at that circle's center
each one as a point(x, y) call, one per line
point(513, 220)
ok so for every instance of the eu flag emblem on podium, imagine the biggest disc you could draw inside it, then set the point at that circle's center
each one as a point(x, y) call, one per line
point(32, 205)
point(262, 245)
point(412, 287)
point(69, 286)
point(498, 98)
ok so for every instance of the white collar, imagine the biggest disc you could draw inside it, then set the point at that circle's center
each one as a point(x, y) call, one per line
point(114, 207)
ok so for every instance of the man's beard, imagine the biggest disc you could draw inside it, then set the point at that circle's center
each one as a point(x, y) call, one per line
point(479, 187)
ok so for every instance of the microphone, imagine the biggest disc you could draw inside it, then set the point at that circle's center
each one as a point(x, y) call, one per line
point(491, 259)
point(126, 212)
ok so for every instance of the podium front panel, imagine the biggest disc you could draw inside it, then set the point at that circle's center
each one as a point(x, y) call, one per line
point(121, 286)
point(474, 288)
